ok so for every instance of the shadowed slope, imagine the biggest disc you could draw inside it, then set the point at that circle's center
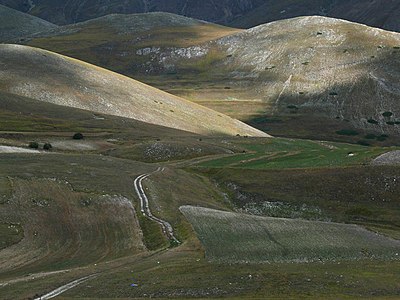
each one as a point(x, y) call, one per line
point(14, 24)
point(53, 78)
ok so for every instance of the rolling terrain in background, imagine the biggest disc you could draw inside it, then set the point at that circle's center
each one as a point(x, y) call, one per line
point(236, 13)
point(278, 77)
point(14, 24)
point(92, 161)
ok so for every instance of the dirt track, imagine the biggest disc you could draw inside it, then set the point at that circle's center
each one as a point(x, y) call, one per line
point(145, 209)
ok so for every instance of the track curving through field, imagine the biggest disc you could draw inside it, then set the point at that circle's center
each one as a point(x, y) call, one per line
point(64, 288)
point(145, 208)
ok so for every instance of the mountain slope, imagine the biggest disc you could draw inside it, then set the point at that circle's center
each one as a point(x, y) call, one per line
point(67, 12)
point(377, 13)
point(309, 67)
point(53, 78)
point(237, 13)
point(117, 41)
point(14, 24)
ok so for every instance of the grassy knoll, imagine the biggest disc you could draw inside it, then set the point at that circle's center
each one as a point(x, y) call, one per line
point(290, 153)
point(232, 238)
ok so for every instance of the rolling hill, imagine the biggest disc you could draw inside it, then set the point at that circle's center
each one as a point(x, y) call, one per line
point(313, 69)
point(57, 79)
point(118, 41)
point(61, 12)
point(377, 13)
point(342, 75)
point(14, 24)
point(237, 13)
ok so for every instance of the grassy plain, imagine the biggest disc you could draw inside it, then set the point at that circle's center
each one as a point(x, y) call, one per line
point(281, 153)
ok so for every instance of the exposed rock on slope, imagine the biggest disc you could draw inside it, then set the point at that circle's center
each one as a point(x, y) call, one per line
point(14, 24)
point(53, 78)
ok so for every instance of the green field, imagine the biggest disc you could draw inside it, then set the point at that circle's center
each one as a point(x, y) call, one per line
point(280, 153)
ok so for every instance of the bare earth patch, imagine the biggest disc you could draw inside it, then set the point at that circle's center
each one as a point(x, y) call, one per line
point(9, 149)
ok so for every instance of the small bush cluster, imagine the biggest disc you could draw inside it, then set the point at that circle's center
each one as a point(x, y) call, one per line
point(78, 136)
point(33, 145)
point(349, 132)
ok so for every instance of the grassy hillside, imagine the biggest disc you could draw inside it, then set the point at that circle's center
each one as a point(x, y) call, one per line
point(69, 213)
point(53, 78)
point(236, 13)
point(61, 12)
point(342, 76)
point(117, 42)
point(229, 237)
point(297, 73)
point(15, 24)
point(381, 14)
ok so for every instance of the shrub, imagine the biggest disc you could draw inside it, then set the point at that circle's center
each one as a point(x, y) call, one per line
point(372, 121)
point(47, 146)
point(370, 136)
point(382, 138)
point(349, 132)
point(78, 136)
point(363, 143)
point(387, 114)
point(33, 145)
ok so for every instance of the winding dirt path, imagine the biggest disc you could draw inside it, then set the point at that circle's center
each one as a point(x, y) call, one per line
point(64, 288)
point(145, 209)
